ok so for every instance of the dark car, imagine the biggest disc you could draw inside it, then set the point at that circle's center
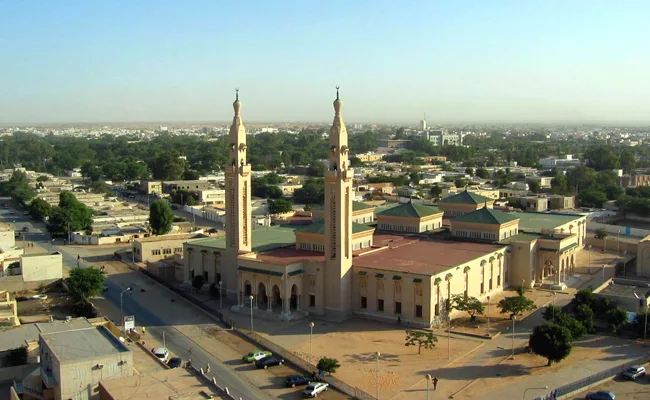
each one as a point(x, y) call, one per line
point(175, 362)
point(601, 395)
point(295, 380)
point(269, 361)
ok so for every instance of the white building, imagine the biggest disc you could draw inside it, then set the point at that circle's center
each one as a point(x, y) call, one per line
point(442, 137)
point(560, 162)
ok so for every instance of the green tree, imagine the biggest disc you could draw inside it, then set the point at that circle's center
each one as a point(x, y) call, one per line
point(161, 217)
point(198, 282)
point(592, 198)
point(69, 216)
point(483, 173)
point(551, 341)
point(616, 318)
point(100, 187)
point(40, 209)
point(273, 179)
point(559, 184)
point(279, 206)
point(328, 365)
point(273, 192)
point(516, 305)
point(470, 305)
point(168, 166)
point(191, 175)
point(435, 191)
point(316, 169)
point(586, 297)
point(551, 312)
point(84, 283)
point(460, 182)
point(355, 162)
point(601, 233)
point(469, 171)
point(585, 315)
point(577, 329)
point(312, 192)
point(420, 339)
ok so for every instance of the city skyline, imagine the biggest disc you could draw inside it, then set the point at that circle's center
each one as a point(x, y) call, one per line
point(506, 62)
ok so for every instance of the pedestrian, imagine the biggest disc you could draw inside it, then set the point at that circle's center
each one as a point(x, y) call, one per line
point(399, 320)
point(435, 383)
point(144, 330)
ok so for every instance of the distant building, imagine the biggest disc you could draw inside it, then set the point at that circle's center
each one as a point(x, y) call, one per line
point(212, 196)
point(156, 248)
point(41, 267)
point(463, 203)
point(196, 185)
point(423, 123)
point(393, 143)
point(560, 162)
point(442, 137)
point(369, 157)
point(151, 187)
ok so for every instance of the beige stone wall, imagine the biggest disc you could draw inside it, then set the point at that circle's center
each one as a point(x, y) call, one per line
point(643, 257)
point(157, 250)
point(480, 278)
point(315, 242)
point(363, 216)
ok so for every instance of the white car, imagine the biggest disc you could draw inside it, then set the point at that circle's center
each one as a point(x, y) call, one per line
point(315, 388)
point(39, 297)
point(162, 354)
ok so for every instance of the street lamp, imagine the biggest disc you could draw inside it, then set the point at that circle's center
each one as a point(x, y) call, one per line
point(428, 379)
point(488, 315)
point(311, 332)
point(645, 326)
point(533, 388)
point(604, 273)
point(449, 341)
point(553, 306)
point(618, 242)
point(251, 299)
point(220, 295)
point(589, 249)
point(128, 289)
point(377, 375)
point(514, 317)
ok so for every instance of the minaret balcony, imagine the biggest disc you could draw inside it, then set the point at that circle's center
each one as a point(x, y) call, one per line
point(346, 174)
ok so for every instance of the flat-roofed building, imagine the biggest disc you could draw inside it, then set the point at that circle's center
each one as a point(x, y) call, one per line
point(151, 187)
point(156, 248)
point(177, 383)
point(485, 224)
point(191, 186)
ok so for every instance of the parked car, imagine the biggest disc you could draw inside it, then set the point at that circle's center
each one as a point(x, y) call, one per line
point(175, 362)
point(162, 354)
point(601, 395)
point(256, 355)
point(315, 388)
point(39, 297)
point(268, 361)
point(635, 371)
point(295, 380)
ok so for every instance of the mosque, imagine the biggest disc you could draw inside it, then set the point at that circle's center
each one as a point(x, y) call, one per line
point(403, 265)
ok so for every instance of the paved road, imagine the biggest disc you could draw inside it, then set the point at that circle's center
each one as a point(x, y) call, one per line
point(155, 319)
point(624, 390)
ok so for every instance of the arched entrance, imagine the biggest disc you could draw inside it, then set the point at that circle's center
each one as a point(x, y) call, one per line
point(248, 289)
point(262, 301)
point(293, 304)
point(276, 300)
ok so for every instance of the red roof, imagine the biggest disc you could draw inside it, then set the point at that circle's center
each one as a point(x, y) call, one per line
point(421, 256)
point(289, 255)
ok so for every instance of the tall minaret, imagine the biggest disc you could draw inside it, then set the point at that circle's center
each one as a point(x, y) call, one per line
point(338, 220)
point(238, 187)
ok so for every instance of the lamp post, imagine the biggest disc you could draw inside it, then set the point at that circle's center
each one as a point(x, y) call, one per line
point(618, 242)
point(523, 283)
point(553, 306)
point(604, 273)
point(377, 375)
point(514, 317)
point(220, 295)
point(311, 332)
point(128, 289)
point(645, 325)
point(488, 314)
point(251, 299)
point(589, 249)
point(428, 380)
point(533, 388)
point(449, 341)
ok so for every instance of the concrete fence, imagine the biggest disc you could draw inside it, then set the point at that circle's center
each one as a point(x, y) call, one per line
point(613, 230)
point(612, 245)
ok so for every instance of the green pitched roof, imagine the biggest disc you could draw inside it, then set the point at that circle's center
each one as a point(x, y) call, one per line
point(465, 197)
point(411, 210)
point(319, 228)
point(264, 239)
point(487, 215)
point(356, 206)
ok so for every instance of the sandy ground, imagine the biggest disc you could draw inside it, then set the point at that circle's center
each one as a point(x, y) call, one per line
point(355, 344)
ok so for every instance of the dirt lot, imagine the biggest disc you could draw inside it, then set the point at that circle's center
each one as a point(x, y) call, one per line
point(355, 344)
point(58, 305)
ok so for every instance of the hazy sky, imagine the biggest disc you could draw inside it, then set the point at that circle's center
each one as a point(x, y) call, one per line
point(483, 60)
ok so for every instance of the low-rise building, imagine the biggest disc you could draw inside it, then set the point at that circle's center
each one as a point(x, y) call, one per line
point(151, 187)
point(156, 248)
point(369, 157)
point(41, 267)
point(410, 217)
point(630, 295)
point(212, 196)
point(534, 203)
point(8, 309)
point(179, 383)
point(192, 186)
point(485, 224)
point(559, 202)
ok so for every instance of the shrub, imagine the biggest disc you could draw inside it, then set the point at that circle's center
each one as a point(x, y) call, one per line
point(585, 315)
point(616, 318)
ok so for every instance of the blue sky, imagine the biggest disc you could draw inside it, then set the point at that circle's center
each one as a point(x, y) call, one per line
point(484, 60)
